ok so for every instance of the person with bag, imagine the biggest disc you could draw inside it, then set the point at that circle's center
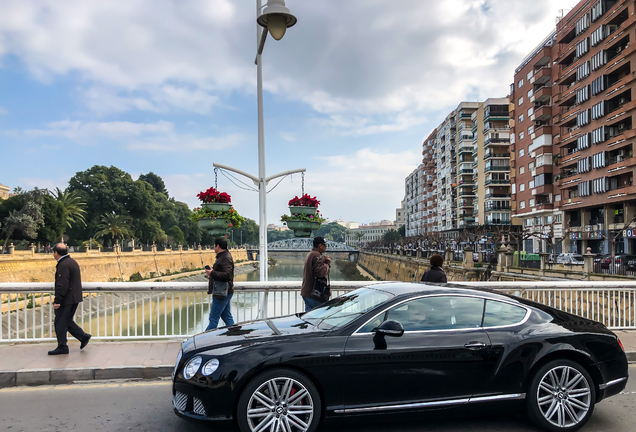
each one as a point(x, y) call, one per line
point(315, 289)
point(435, 273)
point(221, 285)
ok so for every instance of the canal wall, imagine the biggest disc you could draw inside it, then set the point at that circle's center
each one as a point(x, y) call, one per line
point(111, 266)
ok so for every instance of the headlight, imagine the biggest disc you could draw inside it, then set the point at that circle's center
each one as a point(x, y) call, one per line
point(191, 367)
point(210, 367)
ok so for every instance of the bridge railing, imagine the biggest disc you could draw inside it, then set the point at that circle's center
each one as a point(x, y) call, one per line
point(151, 310)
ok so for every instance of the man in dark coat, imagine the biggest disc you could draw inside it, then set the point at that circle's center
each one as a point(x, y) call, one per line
point(316, 266)
point(222, 271)
point(68, 294)
point(435, 273)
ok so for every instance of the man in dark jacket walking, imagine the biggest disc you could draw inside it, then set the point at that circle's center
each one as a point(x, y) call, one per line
point(222, 271)
point(316, 266)
point(435, 273)
point(68, 294)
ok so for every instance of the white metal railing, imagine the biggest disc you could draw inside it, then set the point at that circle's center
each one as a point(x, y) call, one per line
point(143, 310)
point(150, 310)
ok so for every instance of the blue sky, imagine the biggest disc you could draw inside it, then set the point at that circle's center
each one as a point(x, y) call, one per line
point(170, 87)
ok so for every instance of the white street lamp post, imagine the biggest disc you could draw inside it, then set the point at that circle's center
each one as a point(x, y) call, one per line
point(276, 18)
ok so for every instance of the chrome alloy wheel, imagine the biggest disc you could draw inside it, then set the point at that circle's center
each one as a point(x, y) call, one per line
point(280, 404)
point(564, 396)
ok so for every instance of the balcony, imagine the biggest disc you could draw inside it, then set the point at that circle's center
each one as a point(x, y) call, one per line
point(541, 76)
point(542, 94)
point(466, 193)
point(496, 116)
point(497, 182)
point(497, 221)
point(465, 171)
point(497, 168)
point(542, 113)
point(493, 155)
point(498, 195)
point(490, 141)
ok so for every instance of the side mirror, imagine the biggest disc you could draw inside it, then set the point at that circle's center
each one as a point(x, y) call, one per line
point(390, 328)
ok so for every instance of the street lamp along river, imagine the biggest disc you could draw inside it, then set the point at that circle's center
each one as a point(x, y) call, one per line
point(275, 18)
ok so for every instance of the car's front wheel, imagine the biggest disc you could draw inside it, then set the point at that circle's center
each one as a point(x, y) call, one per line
point(279, 400)
point(561, 396)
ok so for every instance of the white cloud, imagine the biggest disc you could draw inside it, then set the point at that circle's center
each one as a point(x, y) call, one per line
point(28, 183)
point(287, 136)
point(183, 143)
point(92, 131)
point(373, 67)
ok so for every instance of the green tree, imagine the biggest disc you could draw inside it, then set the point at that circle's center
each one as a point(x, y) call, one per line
point(391, 236)
point(54, 223)
point(72, 208)
point(113, 226)
point(402, 231)
point(247, 233)
point(25, 217)
point(333, 231)
point(176, 235)
point(155, 181)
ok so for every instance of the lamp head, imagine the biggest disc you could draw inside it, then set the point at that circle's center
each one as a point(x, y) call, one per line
point(276, 18)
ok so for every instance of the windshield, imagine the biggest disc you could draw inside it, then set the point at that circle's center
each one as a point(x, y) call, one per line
point(342, 310)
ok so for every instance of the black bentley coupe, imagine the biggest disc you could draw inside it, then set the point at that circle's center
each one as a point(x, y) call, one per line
point(399, 347)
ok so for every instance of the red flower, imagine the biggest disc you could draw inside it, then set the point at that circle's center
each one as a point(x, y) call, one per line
point(212, 195)
point(304, 201)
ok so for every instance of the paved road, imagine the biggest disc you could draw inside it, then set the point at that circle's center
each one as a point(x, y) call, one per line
point(146, 406)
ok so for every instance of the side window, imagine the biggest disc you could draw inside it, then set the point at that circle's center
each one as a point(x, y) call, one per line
point(502, 314)
point(368, 327)
point(439, 313)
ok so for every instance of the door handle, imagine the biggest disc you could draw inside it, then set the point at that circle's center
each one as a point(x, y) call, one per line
point(475, 345)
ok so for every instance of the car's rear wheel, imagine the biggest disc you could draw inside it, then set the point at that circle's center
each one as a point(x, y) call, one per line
point(279, 400)
point(561, 396)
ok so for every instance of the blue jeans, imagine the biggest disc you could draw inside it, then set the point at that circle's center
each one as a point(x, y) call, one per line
point(311, 303)
point(220, 309)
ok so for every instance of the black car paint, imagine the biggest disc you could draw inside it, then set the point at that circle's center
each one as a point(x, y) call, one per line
point(350, 373)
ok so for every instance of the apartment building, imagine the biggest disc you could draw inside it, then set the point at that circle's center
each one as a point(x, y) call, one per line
point(446, 173)
point(464, 137)
point(429, 186)
point(413, 198)
point(400, 215)
point(575, 140)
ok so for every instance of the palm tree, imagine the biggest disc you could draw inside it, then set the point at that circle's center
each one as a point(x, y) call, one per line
point(72, 205)
point(115, 226)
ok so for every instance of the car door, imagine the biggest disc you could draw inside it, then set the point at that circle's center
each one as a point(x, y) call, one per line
point(439, 360)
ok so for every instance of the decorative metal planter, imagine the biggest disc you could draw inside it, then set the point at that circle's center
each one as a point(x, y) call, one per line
point(217, 207)
point(302, 210)
point(215, 226)
point(302, 228)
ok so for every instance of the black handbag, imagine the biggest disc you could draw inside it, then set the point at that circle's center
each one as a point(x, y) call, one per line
point(321, 290)
point(220, 288)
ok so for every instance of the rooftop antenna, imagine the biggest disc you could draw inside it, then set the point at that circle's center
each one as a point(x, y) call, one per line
point(559, 16)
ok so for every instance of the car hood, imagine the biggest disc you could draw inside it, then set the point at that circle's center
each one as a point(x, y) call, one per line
point(274, 328)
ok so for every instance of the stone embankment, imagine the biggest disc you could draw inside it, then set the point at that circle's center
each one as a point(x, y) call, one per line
point(111, 266)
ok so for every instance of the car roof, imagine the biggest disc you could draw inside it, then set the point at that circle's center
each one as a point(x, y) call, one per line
point(412, 288)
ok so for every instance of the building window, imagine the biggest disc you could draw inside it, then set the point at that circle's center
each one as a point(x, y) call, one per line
point(583, 118)
point(530, 130)
point(529, 75)
point(583, 141)
point(531, 184)
point(522, 152)
point(520, 83)
point(583, 70)
point(522, 204)
point(598, 135)
point(582, 47)
point(520, 101)
point(521, 135)
point(531, 166)
point(522, 187)
point(531, 202)
point(530, 111)
point(582, 24)
point(521, 170)
point(558, 217)
point(584, 165)
point(599, 84)
point(530, 93)
point(583, 94)
point(598, 110)
point(520, 118)
point(599, 59)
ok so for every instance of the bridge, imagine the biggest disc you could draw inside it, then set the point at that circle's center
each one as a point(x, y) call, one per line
point(305, 245)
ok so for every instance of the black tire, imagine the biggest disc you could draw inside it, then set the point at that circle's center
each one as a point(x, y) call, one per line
point(561, 396)
point(296, 402)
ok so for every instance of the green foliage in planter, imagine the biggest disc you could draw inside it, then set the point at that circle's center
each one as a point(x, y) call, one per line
point(202, 213)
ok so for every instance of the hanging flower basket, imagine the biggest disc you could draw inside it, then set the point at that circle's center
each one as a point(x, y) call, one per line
point(304, 216)
point(302, 228)
point(216, 214)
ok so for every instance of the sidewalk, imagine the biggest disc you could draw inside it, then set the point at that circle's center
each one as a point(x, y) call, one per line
point(28, 363)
